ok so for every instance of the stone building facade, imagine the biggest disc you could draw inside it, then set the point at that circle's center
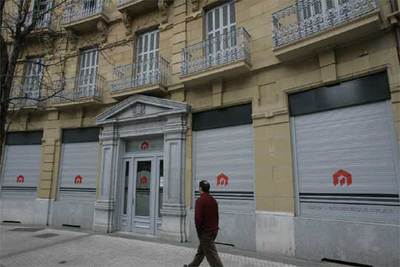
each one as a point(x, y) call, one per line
point(291, 109)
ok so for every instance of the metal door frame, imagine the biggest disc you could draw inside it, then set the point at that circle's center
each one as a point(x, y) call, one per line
point(128, 221)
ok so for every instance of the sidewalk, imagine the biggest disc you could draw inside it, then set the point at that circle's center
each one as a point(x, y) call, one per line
point(33, 246)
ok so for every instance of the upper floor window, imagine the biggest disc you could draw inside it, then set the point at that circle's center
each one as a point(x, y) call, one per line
point(220, 20)
point(147, 57)
point(311, 8)
point(88, 67)
point(33, 78)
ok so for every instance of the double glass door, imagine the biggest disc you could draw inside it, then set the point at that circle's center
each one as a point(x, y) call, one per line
point(142, 194)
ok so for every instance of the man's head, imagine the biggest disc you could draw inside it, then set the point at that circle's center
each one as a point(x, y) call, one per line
point(204, 186)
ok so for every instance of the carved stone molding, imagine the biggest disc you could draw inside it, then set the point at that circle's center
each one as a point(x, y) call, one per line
point(127, 20)
point(103, 29)
point(163, 8)
point(195, 5)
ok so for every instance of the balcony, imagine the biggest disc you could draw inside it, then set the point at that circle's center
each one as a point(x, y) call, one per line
point(82, 90)
point(84, 16)
point(42, 22)
point(27, 96)
point(313, 24)
point(135, 7)
point(223, 56)
point(149, 76)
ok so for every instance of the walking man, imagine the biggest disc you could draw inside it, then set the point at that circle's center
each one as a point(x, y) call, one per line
point(206, 218)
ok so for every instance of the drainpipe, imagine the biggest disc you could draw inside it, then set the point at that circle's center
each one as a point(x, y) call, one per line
point(396, 23)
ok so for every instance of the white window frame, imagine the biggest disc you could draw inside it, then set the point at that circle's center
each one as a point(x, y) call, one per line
point(87, 76)
point(220, 32)
point(147, 57)
point(33, 77)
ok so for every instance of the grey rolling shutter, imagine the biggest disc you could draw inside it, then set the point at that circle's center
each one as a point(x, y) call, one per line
point(79, 170)
point(224, 157)
point(21, 170)
point(347, 163)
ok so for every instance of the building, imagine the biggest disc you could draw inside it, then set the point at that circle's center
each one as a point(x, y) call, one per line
point(291, 109)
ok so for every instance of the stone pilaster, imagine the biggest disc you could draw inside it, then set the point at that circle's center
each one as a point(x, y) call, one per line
point(105, 215)
point(173, 210)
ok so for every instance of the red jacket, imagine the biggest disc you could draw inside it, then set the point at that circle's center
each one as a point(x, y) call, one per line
point(206, 214)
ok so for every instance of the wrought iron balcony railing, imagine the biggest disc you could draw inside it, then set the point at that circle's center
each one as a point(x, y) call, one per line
point(308, 17)
point(42, 21)
point(78, 10)
point(27, 94)
point(226, 48)
point(153, 71)
point(77, 89)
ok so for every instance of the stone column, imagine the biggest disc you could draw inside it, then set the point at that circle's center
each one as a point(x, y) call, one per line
point(173, 209)
point(105, 215)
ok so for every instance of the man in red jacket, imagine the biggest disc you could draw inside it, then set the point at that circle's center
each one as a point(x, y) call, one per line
point(206, 219)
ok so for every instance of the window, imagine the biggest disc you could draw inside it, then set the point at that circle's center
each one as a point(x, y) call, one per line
point(220, 21)
point(221, 33)
point(311, 8)
point(147, 57)
point(33, 78)
point(88, 65)
point(41, 11)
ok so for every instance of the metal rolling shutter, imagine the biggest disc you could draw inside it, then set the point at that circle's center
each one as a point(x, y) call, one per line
point(79, 164)
point(227, 151)
point(21, 164)
point(347, 163)
point(223, 151)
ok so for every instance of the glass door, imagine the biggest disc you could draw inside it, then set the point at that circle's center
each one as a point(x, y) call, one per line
point(141, 191)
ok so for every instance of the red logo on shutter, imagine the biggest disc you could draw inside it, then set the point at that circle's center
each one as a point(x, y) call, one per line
point(143, 180)
point(222, 180)
point(342, 177)
point(20, 179)
point(78, 179)
point(144, 146)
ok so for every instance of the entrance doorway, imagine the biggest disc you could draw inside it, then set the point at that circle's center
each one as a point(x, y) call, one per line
point(142, 193)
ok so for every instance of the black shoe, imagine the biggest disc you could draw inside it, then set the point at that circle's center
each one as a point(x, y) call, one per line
point(185, 265)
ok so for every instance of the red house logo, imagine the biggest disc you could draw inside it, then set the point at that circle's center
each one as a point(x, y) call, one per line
point(20, 179)
point(342, 177)
point(144, 146)
point(143, 180)
point(222, 180)
point(78, 179)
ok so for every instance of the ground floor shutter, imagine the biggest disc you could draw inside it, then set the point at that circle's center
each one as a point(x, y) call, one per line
point(22, 161)
point(223, 155)
point(79, 170)
point(347, 163)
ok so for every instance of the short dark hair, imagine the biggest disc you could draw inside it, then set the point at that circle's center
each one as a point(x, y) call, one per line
point(205, 186)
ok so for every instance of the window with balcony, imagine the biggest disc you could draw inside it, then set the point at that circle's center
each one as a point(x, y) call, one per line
point(79, 10)
point(88, 66)
point(40, 14)
point(225, 43)
point(148, 69)
point(33, 78)
point(309, 17)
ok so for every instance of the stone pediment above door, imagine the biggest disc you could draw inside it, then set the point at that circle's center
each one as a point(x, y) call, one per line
point(141, 107)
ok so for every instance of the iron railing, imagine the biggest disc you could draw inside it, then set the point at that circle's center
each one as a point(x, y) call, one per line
point(77, 89)
point(27, 94)
point(308, 17)
point(152, 71)
point(77, 10)
point(42, 21)
point(231, 46)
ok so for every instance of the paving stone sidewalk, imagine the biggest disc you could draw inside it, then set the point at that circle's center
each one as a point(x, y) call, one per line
point(50, 247)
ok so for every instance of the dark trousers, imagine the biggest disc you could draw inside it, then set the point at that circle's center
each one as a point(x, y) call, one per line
point(207, 249)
